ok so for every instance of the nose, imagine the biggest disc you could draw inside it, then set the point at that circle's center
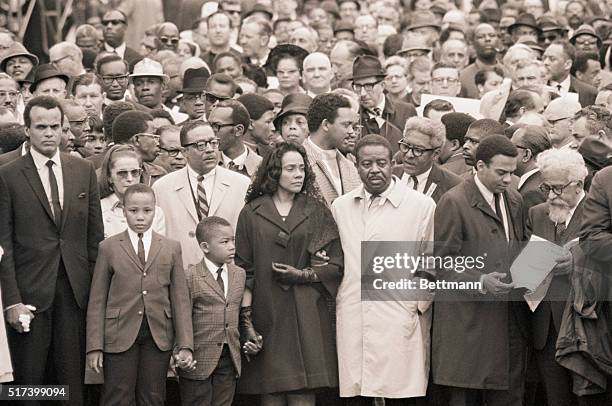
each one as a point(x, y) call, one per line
point(363, 91)
point(507, 178)
point(180, 155)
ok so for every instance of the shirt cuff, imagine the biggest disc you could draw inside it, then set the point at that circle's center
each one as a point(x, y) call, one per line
point(11, 306)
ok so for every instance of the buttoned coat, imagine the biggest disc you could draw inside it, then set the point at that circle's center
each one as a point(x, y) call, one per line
point(123, 291)
point(299, 349)
point(175, 198)
point(348, 173)
point(470, 339)
point(383, 346)
point(214, 317)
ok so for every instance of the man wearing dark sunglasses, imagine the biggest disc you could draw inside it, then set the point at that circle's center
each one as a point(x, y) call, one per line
point(218, 87)
point(115, 24)
point(167, 36)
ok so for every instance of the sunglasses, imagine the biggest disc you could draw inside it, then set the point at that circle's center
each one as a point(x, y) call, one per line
point(166, 40)
point(134, 173)
point(112, 22)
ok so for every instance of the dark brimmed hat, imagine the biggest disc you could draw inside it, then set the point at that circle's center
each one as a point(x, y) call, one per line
point(259, 8)
point(350, 1)
point(294, 103)
point(281, 51)
point(418, 43)
point(527, 20)
point(596, 153)
point(585, 29)
point(195, 80)
point(344, 26)
point(549, 23)
point(367, 66)
point(17, 49)
point(531, 44)
point(47, 71)
point(422, 19)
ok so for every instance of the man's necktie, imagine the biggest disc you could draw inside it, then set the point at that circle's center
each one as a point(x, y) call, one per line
point(498, 211)
point(231, 165)
point(141, 251)
point(415, 182)
point(55, 203)
point(559, 87)
point(202, 202)
point(559, 231)
point(377, 111)
point(220, 279)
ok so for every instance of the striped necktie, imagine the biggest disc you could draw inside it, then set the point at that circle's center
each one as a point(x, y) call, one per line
point(202, 202)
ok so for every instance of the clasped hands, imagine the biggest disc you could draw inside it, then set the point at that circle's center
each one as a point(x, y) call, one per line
point(287, 274)
point(182, 359)
point(16, 317)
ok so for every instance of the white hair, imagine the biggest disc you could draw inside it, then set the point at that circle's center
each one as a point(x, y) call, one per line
point(567, 161)
point(433, 129)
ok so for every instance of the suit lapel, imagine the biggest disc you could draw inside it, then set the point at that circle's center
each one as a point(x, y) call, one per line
point(576, 222)
point(219, 189)
point(478, 200)
point(68, 175)
point(185, 195)
point(156, 244)
point(210, 280)
point(31, 174)
point(126, 244)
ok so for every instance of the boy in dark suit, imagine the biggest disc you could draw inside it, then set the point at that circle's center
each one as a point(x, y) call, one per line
point(216, 289)
point(138, 308)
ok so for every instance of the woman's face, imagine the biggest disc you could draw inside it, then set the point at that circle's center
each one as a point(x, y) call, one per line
point(396, 80)
point(184, 50)
point(124, 172)
point(18, 67)
point(288, 74)
point(292, 174)
point(294, 128)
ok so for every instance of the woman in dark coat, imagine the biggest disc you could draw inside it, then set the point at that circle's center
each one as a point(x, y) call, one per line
point(283, 232)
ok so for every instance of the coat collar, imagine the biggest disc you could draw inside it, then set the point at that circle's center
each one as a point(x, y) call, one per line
point(300, 211)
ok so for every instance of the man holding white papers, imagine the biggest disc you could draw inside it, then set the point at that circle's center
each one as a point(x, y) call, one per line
point(557, 220)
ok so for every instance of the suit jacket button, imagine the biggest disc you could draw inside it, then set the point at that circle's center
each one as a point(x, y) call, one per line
point(144, 274)
point(192, 234)
point(144, 292)
point(140, 312)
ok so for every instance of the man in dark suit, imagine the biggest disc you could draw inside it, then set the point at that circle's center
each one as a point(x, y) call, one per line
point(530, 141)
point(50, 227)
point(558, 59)
point(115, 23)
point(478, 350)
point(451, 154)
point(420, 150)
point(557, 220)
point(378, 115)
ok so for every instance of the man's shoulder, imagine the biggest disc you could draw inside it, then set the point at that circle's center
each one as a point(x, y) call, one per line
point(232, 178)
point(446, 176)
point(170, 180)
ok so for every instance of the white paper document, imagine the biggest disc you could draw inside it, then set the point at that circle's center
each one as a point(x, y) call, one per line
point(534, 263)
point(534, 298)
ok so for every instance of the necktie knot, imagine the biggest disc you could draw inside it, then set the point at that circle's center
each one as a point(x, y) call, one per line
point(415, 182)
point(377, 111)
point(140, 236)
point(200, 178)
point(50, 164)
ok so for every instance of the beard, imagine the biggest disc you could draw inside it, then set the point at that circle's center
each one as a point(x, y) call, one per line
point(558, 212)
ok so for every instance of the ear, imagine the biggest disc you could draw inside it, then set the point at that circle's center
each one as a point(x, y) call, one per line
point(527, 156)
point(204, 247)
point(480, 165)
point(325, 124)
point(601, 135)
point(250, 125)
point(240, 131)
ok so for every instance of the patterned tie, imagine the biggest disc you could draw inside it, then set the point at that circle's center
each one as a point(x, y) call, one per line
point(220, 279)
point(559, 231)
point(141, 251)
point(415, 182)
point(55, 203)
point(202, 202)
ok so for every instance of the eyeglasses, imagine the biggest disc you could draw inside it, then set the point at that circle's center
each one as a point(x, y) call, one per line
point(154, 136)
point(211, 98)
point(134, 173)
point(194, 96)
point(201, 145)
point(367, 86)
point(108, 80)
point(113, 22)
point(166, 40)
point(217, 126)
point(558, 190)
point(172, 152)
point(450, 81)
point(416, 151)
point(585, 42)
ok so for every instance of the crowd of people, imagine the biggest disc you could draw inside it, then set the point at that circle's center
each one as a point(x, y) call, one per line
point(188, 189)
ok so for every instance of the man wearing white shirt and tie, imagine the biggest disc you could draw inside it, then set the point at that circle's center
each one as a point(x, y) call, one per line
point(50, 227)
point(420, 149)
point(115, 24)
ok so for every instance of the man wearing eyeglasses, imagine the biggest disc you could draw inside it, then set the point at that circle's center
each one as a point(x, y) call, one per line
point(558, 220)
point(378, 114)
point(194, 95)
point(420, 149)
point(168, 37)
point(445, 80)
point(170, 151)
point(67, 58)
point(199, 190)
point(9, 93)
point(218, 87)
point(113, 73)
point(78, 123)
point(115, 24)
point(530, 141)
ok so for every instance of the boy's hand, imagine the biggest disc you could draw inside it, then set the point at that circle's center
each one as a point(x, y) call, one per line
point(95, 360)
point(184, 359)
point(252, 347)
point(319, 259)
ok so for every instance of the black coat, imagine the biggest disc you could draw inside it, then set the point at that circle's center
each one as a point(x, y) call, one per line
point(443, 179)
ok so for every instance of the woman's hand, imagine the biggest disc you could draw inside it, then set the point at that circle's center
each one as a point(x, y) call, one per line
point(286, 274)
point(319, 259)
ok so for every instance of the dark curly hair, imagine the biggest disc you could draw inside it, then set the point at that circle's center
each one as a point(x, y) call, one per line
point(268, 174)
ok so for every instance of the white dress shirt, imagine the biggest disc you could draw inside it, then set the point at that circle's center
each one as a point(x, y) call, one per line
point(421, 179)
point(146, 241)
point(238, 161)
point(120, 50)
point(212, 268)
point(565, 85)
point(490, 199)
point(526, 176)
point(40, 161)
point(209, 182)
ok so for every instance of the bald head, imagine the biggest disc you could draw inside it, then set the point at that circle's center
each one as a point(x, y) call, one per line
point(317, 73)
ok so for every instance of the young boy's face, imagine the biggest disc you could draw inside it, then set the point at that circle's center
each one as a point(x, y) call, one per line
point(139, 211)
point(221, 246)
